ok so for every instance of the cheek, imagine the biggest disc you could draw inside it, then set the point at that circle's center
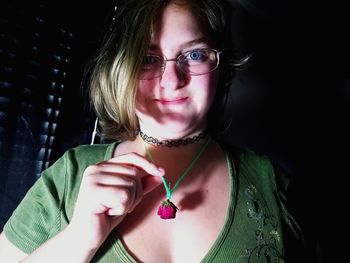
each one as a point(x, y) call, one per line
point(143, 92)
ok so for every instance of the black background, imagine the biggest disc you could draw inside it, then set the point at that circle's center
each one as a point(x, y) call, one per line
point(292, 103)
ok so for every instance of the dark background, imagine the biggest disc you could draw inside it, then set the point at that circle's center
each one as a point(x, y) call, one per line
point(43, 49)
point(292, 103)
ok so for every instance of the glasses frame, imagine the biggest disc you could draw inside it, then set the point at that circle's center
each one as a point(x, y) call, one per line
point(177, 61)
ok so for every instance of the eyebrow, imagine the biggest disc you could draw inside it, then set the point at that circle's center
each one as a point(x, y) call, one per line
point(188, 44)
point(194, 42)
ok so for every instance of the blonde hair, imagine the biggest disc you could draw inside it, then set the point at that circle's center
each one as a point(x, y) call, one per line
point(114, 78)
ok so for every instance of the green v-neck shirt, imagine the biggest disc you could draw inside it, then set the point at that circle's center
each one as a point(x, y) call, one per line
point(252, 231)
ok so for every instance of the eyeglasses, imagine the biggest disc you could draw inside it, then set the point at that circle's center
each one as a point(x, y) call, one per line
point(193, 62)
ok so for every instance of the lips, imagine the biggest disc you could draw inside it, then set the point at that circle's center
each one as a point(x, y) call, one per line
point(172, 101)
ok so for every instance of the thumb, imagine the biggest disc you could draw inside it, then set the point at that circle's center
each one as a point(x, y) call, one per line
point(150, 183)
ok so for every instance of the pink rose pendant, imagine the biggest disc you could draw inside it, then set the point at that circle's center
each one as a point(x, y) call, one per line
point(167, 210)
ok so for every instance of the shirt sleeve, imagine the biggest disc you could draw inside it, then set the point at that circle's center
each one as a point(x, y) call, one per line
point(37, 217)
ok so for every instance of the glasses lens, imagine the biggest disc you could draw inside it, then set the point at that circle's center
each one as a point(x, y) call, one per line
point(199, 61)
point(152, 67)
point(193, 62)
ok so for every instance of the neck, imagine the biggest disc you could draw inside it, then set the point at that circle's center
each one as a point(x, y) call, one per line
point(176, 160)
point(170, 156)
point(172, 143)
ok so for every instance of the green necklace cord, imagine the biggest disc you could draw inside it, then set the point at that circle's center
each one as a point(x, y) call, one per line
point(167, 188)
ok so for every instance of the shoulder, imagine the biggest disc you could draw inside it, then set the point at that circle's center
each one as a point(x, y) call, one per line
point(254, 166)
point(90, 153)
point(249, 159)
point(75, 160)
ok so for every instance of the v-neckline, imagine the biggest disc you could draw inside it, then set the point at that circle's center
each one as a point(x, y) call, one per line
point(121, 251)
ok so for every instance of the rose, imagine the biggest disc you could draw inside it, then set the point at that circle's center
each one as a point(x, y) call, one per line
point(167, 210)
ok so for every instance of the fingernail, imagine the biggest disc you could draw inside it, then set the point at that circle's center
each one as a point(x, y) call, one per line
point(161, 170)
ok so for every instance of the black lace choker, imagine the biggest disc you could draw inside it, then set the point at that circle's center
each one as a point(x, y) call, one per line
point(172, 143)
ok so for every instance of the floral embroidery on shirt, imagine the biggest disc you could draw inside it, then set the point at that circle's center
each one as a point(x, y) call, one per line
point(266, 233)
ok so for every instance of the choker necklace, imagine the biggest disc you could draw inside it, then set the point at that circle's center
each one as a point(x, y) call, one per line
point(167, 209)
point(172, 143)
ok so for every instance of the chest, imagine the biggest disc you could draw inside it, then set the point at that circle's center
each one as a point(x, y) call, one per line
point(188, 237)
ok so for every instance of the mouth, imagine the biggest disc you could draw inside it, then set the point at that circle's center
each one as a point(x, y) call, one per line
point(172, 101)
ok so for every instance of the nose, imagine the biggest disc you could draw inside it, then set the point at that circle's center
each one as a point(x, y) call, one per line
point(172, 77)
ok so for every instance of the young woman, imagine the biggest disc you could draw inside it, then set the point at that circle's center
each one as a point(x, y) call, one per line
point(167, 190)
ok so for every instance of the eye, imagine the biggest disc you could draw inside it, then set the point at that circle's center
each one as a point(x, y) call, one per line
point(195, 55)
point(151, 61)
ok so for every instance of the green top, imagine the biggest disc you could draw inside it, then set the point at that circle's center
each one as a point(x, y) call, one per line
point(252, 231)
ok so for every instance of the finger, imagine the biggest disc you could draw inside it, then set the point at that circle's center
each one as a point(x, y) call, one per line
point(146, 185)
point(108, 178)
point(112, 174)
point(110, 167)
point(139, 192)
point(114, 200)
point(134, 159)
point(149, 183)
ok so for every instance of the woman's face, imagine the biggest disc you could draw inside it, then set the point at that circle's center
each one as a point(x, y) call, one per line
point(175, 105)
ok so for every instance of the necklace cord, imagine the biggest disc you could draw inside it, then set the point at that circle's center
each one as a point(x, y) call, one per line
point(168, 192)
point(189, 168)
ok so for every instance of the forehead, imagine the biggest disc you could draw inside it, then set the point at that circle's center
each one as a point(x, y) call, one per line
point(178, 27)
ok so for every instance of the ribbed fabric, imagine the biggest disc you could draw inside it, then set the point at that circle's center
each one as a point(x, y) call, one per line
point(48, 205)
point(252, 231)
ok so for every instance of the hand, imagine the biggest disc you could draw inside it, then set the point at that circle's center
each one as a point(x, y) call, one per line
point(109, 190)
